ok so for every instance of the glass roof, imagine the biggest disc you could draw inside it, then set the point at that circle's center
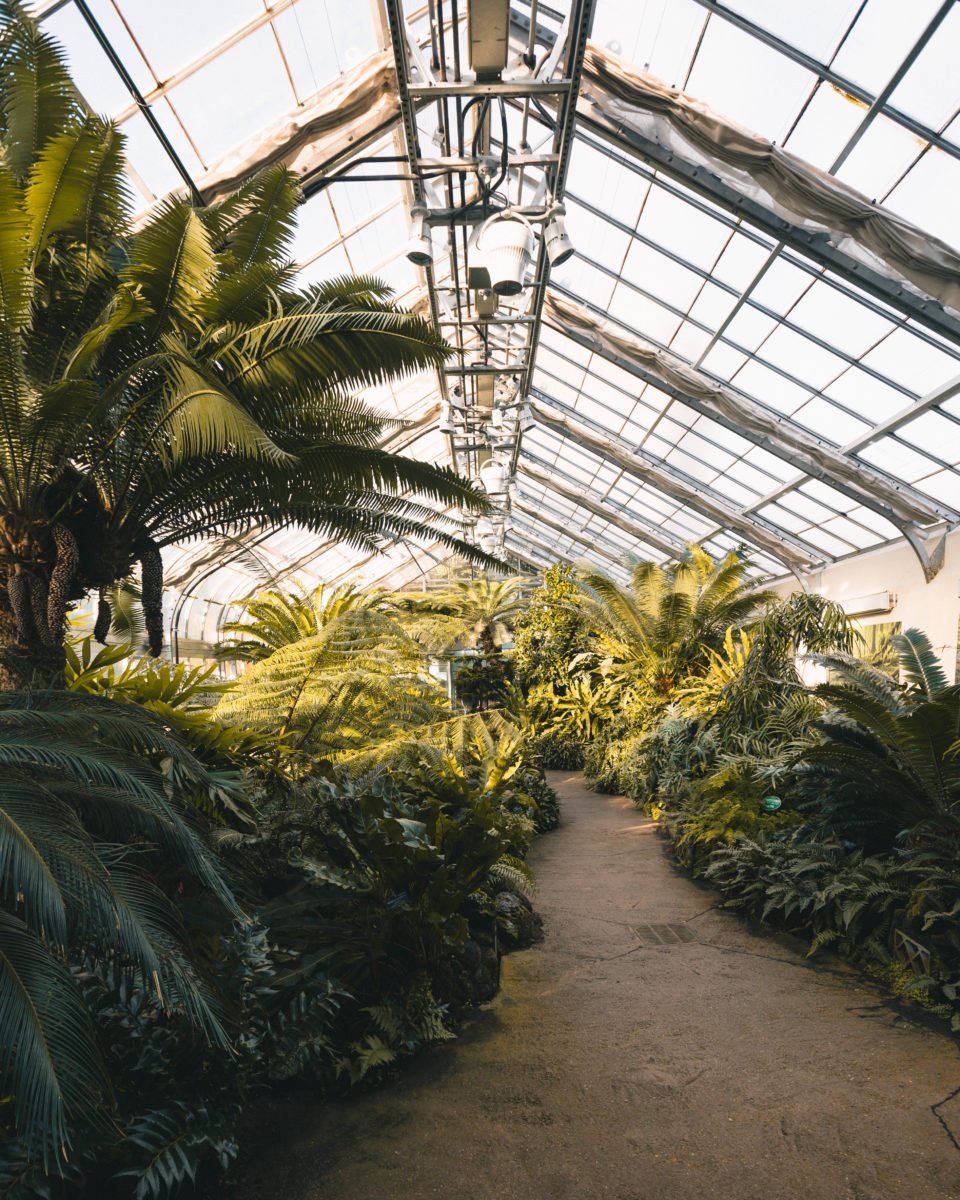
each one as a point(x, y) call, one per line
point(866, 91)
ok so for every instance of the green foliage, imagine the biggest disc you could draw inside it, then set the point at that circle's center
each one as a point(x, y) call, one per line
point(171, 383)
point(274, 619)
point(884, 770)
point(141, 1003)
point(471, 612)
point(481, 683)
point(92, 838)
point(555, 751)
point(550, 633)
point(661, 630)
point(358, 681)
point(182, 698)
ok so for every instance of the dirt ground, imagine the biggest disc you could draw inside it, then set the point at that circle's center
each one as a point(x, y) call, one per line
point(723, 1068)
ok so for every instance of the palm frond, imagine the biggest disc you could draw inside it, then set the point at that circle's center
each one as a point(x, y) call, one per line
point(919, 663)
point(50, 1057)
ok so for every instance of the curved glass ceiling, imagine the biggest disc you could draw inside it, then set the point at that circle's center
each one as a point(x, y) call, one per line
point(817, 412)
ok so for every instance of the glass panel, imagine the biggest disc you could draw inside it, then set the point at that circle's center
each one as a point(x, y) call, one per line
point(763, 92)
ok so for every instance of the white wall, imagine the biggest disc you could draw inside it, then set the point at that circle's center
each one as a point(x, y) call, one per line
point(932, 607)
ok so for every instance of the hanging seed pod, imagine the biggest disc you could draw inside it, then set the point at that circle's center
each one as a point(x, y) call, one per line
point(19, 595)
point(38, 603)
point(151, 589)
point(104, 619)
point(61, 579)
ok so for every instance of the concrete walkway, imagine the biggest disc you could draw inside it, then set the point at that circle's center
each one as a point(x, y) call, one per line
point(635, 1064)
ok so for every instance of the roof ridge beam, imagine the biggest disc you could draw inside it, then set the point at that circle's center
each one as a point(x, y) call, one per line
point(735, 410)
point(794, 553)
point(608, 513)
point(575, 535)
point(851, 239)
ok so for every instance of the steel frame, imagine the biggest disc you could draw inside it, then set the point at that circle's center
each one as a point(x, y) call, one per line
point(825, 73)
point(606, 511)
point(897, 502)
point(574, 535)
point(792, 551)
point(813, 245)
point(627, 141)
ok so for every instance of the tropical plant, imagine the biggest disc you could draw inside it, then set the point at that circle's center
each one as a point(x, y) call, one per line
point(172, 383)
point(357, 682)
point(94, 842)
point(661, 629)
point(550, 635)
point(273, 619)
point(885, 769)
point(478, 612)
point(183, 698)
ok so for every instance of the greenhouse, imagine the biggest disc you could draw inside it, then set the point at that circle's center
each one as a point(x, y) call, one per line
point(479, 599)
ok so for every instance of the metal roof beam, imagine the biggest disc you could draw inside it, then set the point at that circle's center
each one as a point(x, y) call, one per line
point(897, 502)
point(606, 511)
point(531, 558)
point(575, 535)
point(945, 391)
point(547, 554)
point(794, 553)
point(551, 553)
point(815, 245)
point(825, 72)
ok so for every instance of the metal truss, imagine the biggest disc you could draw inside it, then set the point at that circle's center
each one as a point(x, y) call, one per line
point(814, 245)
point(592, 544)
point(496, 338)
point(794, 553)
point(876, 104)
point(917, 516)
point(605, 510)
point(735, 410)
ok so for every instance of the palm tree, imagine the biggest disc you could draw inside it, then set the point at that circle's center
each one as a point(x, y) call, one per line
point(172, 383)
point(276, 618)
point(661, 629)
point(479, 611)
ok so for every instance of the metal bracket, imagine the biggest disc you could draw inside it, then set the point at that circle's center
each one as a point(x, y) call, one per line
point(929, 545)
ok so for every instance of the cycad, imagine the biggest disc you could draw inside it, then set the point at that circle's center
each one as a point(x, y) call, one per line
point(88, 830)
point(172, 384)
point(663, 626)
point(886, 765)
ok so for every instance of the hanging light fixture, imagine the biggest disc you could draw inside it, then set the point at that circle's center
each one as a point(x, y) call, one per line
point(500, 251)
point(556, 239)
point(493, 476)
point(420, 246)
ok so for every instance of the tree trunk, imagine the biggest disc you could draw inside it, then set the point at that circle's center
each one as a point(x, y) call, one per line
point(31, 665)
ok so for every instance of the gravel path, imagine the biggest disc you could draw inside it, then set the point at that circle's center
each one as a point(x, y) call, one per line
point(613, 1065)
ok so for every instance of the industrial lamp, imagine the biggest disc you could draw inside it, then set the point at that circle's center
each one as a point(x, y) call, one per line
point(500, 253)
point(420, 248)
point(493, 477)
point(556, 238)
